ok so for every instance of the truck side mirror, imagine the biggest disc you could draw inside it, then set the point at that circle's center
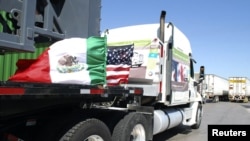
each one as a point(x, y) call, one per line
point(196, 83)
point(202, 73)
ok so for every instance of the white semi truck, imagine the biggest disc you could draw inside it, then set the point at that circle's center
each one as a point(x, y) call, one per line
point(239, 89)
point(159, 95)
point(215, 88)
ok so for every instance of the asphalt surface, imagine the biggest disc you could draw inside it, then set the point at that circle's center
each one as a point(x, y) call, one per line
point(221, 113)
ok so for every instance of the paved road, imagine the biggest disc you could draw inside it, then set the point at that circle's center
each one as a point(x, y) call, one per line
point(214, 113)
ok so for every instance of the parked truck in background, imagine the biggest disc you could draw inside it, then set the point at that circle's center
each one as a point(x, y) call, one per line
point(239, 89)
point(164, 97)
point(215, 88)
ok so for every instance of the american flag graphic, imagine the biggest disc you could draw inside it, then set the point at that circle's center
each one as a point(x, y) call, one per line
point(118, 64)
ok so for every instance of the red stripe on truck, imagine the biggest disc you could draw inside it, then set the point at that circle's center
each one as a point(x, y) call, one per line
point(12, 91)
point(11, 137)
point(96, 91)
point(138, 91)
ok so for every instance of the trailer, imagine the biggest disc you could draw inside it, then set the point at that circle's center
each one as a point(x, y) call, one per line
point(156, 96)
point(239, 89)
point(215, 88)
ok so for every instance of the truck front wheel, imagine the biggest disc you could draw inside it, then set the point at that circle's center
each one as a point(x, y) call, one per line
point(133, 127)
point(91, 129)
point(198, 117)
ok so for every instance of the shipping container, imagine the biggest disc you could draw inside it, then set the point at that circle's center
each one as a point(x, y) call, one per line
point(8, 60)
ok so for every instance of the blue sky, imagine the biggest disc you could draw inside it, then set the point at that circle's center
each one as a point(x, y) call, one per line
point(218, 30)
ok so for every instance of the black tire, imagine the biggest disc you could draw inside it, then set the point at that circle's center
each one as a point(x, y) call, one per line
point(216, 99)
point(90, 128)
point(198, 117)
point(125, 129)
point(204, 100)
